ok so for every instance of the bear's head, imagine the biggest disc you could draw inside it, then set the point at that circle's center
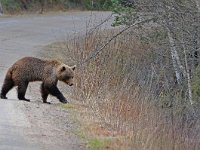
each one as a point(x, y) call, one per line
point(65, 73)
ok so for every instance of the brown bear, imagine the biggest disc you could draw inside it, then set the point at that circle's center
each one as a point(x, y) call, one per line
point(29, 69)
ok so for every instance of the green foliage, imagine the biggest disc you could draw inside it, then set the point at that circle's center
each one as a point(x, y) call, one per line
point(17, 5)
point(97, 5)
point(11, 5)
point(123, 15)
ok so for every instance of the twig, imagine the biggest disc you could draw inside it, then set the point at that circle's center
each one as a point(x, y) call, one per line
point(97, 51)
point(97, 26)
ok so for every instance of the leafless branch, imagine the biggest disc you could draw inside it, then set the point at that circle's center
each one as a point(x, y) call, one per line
point(97, 51)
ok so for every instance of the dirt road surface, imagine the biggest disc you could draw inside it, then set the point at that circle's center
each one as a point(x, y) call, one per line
point(37, 126)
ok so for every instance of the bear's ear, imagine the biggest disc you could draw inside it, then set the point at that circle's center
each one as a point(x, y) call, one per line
point(73, 67)
point(62, 68)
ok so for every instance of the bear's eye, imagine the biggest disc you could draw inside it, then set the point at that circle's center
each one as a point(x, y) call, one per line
point(68, 78)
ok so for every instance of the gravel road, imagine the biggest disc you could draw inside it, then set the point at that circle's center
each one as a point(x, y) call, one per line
point(37, 126)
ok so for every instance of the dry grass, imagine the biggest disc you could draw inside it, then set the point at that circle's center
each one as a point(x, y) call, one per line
point(124, 89)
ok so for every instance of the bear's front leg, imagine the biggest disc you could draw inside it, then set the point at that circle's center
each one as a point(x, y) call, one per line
point(53, 90)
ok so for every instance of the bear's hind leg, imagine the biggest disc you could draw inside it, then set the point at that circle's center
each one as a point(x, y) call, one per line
point(7, 86)
point(44, 94)
point(22, 91)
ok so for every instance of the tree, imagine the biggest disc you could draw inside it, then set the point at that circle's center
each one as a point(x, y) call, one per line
point(180, 20)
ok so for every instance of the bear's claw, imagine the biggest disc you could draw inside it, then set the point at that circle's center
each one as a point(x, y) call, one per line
point(47, 102)
point(24, 99)
point(3, 97)
point(64, 101)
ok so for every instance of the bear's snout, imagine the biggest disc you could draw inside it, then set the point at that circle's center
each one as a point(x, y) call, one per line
point(69, 83)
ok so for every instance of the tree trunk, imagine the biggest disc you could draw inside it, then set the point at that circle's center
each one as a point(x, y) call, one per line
point(174, 56)
point(198, 5)
point(188, 76)
point(1, 9)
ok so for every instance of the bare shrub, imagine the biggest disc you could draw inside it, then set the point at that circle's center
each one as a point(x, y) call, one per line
point(130, 89)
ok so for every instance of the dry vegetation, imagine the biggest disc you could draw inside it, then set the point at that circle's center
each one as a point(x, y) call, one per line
point(129, 91)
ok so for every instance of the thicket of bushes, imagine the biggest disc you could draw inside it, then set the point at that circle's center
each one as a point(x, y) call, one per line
point(19, 5)
point(123, 87)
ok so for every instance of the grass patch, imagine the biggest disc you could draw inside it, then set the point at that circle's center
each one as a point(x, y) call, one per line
point(68, 106)
point(98, 143)
point(80, 134)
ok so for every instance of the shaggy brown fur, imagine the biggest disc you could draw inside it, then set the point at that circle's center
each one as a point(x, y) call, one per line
point(29, 69)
